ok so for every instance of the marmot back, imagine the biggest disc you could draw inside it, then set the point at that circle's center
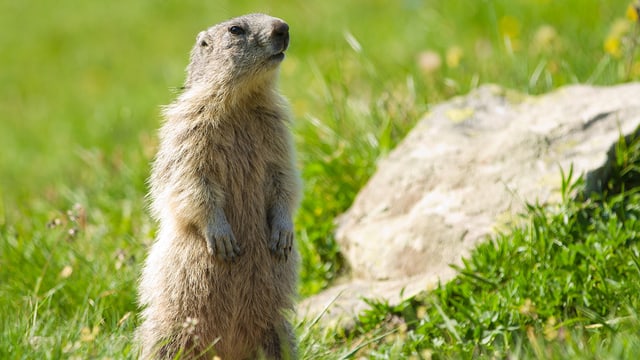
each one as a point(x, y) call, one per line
point(220, 278)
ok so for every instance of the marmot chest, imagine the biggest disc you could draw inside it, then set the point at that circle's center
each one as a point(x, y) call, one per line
point(239, 159)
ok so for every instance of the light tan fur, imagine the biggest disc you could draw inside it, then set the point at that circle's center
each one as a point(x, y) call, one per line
point(221, 276)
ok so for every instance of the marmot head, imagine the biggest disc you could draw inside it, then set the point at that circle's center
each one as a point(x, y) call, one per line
point(241, 51)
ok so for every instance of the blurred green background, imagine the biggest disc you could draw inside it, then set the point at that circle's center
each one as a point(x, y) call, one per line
point(90, 76)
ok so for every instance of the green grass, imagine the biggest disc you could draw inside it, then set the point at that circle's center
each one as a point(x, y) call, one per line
point(563, 285)
point(82, 83)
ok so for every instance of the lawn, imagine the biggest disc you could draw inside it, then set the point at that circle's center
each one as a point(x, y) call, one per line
point(82, 85)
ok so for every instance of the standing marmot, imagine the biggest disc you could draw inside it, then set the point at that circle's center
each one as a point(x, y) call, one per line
point(222, 273)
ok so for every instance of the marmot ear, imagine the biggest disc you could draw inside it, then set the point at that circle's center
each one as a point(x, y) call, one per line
point(202, 39)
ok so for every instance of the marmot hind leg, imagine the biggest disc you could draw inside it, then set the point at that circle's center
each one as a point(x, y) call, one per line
point(279, 343)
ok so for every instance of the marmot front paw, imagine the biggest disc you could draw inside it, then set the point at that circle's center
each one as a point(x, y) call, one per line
point(281, 240)
point(220, 239)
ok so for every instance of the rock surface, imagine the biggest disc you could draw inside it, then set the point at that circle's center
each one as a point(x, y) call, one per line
point(467, 167)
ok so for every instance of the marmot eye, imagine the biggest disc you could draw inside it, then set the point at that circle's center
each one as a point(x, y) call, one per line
point(204, 43)
point(236, 30)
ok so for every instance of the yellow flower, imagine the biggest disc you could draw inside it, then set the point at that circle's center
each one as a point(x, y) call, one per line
point(612, 47)
point(612, 44)
point(454, 55)
point(509, 27)
point(632, 11)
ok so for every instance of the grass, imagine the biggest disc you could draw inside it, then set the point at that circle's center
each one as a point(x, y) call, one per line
point(563, 285)
point(82, 85)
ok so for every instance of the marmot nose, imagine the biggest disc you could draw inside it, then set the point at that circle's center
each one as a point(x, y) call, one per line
point(280, 33)
point(280, 29)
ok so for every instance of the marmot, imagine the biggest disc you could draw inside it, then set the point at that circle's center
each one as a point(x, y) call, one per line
point(220, 278)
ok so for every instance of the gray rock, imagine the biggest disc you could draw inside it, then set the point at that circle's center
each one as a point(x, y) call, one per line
point(465, 170)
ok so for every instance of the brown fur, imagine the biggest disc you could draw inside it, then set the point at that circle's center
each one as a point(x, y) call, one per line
point(221, 275)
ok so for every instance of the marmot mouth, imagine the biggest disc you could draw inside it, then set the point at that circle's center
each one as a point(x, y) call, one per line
point(278, 57)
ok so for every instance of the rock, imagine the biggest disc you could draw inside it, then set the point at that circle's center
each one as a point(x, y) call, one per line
point(467, 168)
